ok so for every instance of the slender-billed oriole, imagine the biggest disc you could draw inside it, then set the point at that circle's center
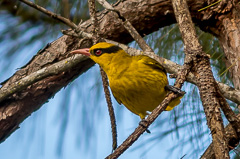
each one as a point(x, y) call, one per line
point(137, 82)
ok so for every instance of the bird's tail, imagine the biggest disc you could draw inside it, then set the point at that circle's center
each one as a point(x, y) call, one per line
point(174, 103)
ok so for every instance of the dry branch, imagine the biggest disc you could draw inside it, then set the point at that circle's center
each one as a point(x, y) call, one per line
point(231, 137)
point(53, 69)
point(51, 14)
point(206, 83)
point(141, 129)
point(128, 26)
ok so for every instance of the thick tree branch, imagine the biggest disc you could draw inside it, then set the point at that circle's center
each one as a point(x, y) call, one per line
point(53, 69)
point(232, 140)
point(231, 95)
point(205, 80)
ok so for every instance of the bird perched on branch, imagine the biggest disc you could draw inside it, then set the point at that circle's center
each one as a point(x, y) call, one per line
point(138, 82)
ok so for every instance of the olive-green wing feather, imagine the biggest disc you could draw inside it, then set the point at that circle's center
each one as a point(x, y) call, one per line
point(152, 63)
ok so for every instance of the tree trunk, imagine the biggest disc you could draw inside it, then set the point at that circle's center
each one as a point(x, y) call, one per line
point(230, 41)
point(229, 38)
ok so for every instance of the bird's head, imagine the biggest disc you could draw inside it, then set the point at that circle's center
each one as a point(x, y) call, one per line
point(101, 53)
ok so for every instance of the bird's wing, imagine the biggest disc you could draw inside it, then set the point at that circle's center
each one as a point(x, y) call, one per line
point(152, 63)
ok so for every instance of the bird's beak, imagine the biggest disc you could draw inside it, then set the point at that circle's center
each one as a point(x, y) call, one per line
point(84, 51)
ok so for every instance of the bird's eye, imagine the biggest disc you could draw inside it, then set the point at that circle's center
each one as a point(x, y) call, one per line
point(98, 52)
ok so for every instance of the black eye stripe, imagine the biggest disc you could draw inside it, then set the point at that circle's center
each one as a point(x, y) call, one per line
point(112, 49)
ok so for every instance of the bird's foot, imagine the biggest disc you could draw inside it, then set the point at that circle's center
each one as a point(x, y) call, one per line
point(143, 123)
point(175, 90)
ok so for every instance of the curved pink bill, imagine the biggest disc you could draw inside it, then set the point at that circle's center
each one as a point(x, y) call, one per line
point(84, 51)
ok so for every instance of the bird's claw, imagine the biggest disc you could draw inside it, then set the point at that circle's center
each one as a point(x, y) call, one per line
point(143, 123)
point(175, 90)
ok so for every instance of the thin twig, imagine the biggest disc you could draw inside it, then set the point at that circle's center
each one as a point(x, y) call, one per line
point(95, 28)
point(78, 32)
point(110, 108)
point(128, 26)
point(51, 14)
point(96, 39)
point(141, 129)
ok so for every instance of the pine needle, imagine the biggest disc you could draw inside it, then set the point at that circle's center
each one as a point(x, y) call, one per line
point(209, 5)
point(229, 67)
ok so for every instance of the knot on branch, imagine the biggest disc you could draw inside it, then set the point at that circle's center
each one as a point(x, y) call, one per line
point(195, 55)
point(173, 75)
point(203, 56)
point(233, 142)
point(193, 51)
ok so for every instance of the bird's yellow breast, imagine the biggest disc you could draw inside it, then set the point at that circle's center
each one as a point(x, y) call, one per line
point(139, 87)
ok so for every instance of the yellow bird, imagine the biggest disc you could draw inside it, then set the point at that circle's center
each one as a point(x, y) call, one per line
point(137, 82)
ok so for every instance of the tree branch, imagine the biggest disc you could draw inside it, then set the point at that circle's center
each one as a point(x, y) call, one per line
point(128, 26)
point(232, 140)
point(51, 14)
point(141, 129)
point(53, 69)
point(171, 67)
point(205, 80)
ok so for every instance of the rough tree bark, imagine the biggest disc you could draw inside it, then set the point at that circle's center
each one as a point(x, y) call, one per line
point(230, 41)
point(146, 17)
point(228, 33)
point(232, 140)
point(205, 81)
